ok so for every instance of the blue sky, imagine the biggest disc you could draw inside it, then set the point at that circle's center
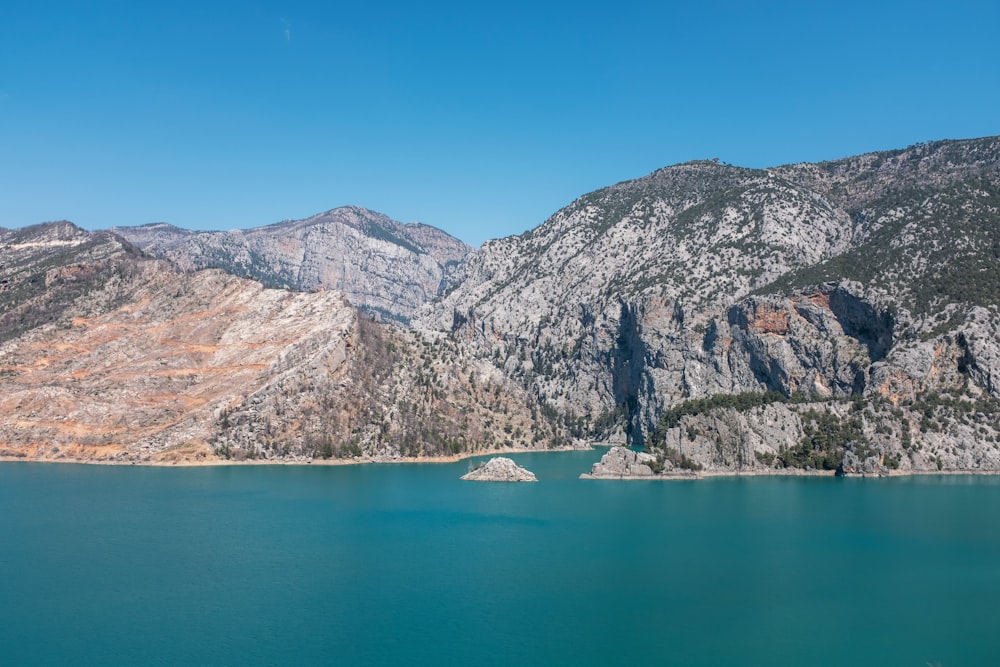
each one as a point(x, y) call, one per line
point(480, 118)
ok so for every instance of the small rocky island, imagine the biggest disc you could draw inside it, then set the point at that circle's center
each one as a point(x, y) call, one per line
point(500, 469)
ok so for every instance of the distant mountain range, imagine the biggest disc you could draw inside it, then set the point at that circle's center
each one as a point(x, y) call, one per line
point(386, 268)
point(841, 314)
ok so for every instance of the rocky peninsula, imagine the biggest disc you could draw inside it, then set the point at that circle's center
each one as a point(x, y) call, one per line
point(623, 463)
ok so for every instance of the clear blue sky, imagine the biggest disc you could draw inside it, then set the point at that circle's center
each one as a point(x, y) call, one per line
point(480, 118)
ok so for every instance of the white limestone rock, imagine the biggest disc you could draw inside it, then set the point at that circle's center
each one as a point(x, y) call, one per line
point(500, 469)
point(621, 462)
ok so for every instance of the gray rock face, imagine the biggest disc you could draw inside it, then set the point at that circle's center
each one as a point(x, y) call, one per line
point(602, 307)
point(500, 469)
point(853, 465)
point(384, 267)
point(704, 279)
point(978, 338)
point(732, 440)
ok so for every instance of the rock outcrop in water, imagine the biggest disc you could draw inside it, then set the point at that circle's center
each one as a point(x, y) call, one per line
point(624, 463)
point(621, 462)
point(500, 469)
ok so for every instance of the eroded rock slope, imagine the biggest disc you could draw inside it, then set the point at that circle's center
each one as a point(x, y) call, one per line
point(108, 355)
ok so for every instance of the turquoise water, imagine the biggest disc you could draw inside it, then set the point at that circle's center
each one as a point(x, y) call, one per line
point(405, 564)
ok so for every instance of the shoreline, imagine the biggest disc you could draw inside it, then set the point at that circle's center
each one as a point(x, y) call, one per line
point(788, 472)
point(213, 462)
point(455, 458)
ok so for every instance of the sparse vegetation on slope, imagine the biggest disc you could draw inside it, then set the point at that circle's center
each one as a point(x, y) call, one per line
point(130, 359)
point(844, 279)
point(840, 315)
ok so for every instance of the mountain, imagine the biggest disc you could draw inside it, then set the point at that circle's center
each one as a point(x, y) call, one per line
point(384, 267)
point(840, 315)
point(869, 282)
point(107, 354)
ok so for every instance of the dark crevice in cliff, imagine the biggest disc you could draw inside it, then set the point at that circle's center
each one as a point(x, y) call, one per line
point(862, 321)
point(627, 371)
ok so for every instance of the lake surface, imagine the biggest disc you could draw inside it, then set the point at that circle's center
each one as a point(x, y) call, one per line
point(406, 564)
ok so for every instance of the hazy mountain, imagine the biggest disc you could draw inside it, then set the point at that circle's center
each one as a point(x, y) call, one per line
point(386, 268)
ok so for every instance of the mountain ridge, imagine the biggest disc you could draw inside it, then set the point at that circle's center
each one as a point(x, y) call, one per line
point(704, 279)
point(113, 356)
point(386, 268)
point(858, 296)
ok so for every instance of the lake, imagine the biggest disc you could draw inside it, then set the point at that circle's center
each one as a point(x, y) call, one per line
point(406, 564)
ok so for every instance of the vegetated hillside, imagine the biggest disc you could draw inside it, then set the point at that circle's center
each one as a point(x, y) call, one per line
point(871, 280)
point(384, 267)
point(38, 257)
point(926, 224)
point(107, 355)
point(565, 302)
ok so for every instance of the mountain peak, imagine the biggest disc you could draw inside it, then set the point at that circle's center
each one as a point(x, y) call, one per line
point(384, 267)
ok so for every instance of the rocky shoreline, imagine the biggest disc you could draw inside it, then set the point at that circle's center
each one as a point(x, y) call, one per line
point(606, 470)
point(212, 460)
point(621, 463)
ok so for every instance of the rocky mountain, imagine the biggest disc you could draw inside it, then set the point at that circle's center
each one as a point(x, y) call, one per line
point(833, 316)
point(109, 355)
point(865, 289)
point(386, 268)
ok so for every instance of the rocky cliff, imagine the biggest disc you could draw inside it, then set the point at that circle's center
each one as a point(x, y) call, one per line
point(622, 463)
point(871, 279)
point(386, 268)
point(109, 355)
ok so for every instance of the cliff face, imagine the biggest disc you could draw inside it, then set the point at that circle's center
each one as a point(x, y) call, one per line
point(110, 356)
point(383, 267)
point(874, 277)
point(601, 307)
